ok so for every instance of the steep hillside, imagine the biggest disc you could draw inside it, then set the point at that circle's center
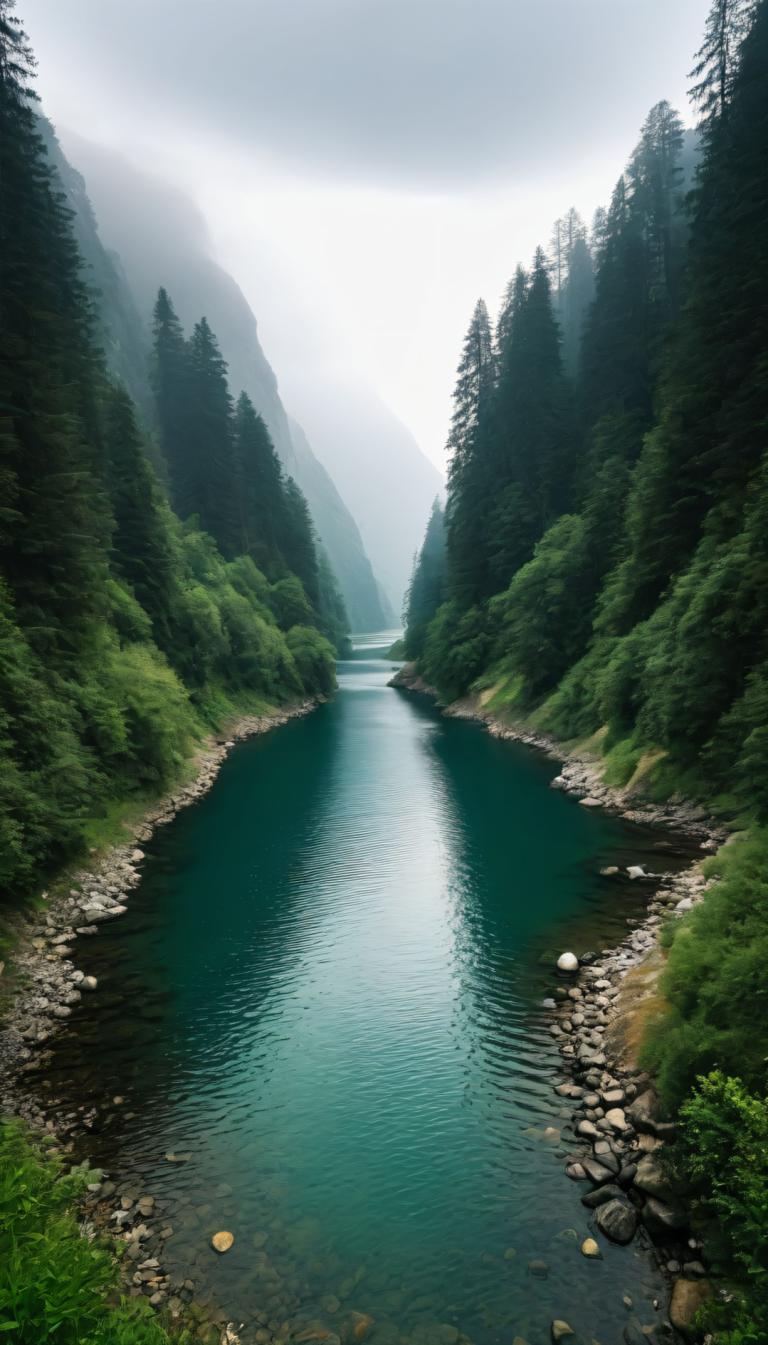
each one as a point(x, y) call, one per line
point(161, 239)
point(380, 470)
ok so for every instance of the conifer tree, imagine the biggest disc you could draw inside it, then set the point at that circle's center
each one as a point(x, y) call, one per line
point(426, 591)
point(728, 22)
point(54, 518)
point(207, 483)
point(533, 438)
point(170, 378)
point(141, 547)
point(470, 471)
point(260, 486)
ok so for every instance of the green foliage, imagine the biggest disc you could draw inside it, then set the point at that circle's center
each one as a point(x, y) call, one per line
point(715, 981)
point(723, 1155)
point(55, 1285)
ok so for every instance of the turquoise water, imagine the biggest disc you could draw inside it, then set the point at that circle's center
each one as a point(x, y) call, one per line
point(328, 992)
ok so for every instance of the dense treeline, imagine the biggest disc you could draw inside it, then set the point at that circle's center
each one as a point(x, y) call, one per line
point(605, 533)
point(125, 627)
point(606, 559)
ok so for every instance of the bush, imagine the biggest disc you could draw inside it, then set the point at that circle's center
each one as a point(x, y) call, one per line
point(715, 980)
point(56, 1286)
point(723, 1153)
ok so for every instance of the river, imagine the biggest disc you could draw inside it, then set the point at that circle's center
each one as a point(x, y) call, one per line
point(327, 992)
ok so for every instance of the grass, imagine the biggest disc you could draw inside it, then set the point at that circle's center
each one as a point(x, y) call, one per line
point(56, 1286)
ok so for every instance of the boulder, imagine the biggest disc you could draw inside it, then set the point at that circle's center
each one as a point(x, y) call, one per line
point(617, 1220)
point(590, 1248)
point(616, 1119)
point(597, 1174)
point(688, 1297)
point(662, 1219)
point(568, 962)
point(601, 1196)
point(644, 1111)
point(651, 1177)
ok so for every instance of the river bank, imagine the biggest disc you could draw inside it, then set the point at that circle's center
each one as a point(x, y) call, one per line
point(45, 982)
point(616, 1120)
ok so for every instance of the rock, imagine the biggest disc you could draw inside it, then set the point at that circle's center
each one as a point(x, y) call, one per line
point(651, 1177)
point(688, 1297)
point(560, 1330)
point(636, 871)
point(539, 1269)
point(590, 802)
point(510, 1254)
point(221, 1242)
point(146, 1206)
point(617, 1220)
point(694, 1270)
point(362, 1323)
point(89, 983)
point(590, 1248)
point(576, 1172)
point(614, 1097)
point(616, 1119)
point(172, 1157)
point(137, 856)
point(587, 1129)
point(644, 1111)
point(601, 1196)
point(597, 1174)
point(609, 871)
point(568, 962)
point(661, 1219)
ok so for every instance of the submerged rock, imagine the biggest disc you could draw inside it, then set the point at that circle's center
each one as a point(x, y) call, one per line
point(221, 1242)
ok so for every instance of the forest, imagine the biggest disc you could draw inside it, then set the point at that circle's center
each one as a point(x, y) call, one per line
point(601, 570)
point(159, 572)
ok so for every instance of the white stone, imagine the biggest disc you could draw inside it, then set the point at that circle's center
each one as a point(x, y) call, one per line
point(568, 962)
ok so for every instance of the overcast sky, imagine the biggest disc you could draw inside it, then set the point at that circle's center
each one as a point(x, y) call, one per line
point(369, 167)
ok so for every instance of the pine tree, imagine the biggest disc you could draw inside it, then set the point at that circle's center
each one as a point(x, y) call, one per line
point(171, 384)
point(207, 481)
point(54, 519)
point(470, 474)
point(141, 547)
point(260, 486)
point(533, 442)
point(426, 591)
point(716, 61)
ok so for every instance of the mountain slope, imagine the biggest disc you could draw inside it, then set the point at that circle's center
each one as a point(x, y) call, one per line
point(161, 238)
point(380, 470)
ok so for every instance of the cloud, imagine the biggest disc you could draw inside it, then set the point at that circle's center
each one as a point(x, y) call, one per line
point(434, 93)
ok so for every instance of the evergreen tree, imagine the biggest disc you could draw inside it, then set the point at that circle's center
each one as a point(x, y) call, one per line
point(142, 552)
point(470, 471)
point(716, 60)
point(54, 517)
point(171, 385)
point(260, 486)
point(426, 591)
point(208, 488)
point(533, 439)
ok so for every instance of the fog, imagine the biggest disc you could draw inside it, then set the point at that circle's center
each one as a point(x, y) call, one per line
point(366, 169)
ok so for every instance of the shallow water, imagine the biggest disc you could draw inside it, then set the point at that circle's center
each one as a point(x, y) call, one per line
point(328, 992)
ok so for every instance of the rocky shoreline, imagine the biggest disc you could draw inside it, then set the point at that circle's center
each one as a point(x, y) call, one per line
point(47, 984)
point(616, 1119)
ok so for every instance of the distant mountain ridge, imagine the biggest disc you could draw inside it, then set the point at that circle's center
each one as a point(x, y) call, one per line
point(137, 234)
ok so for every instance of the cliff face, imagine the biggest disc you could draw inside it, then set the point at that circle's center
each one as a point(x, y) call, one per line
point(150, 235)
